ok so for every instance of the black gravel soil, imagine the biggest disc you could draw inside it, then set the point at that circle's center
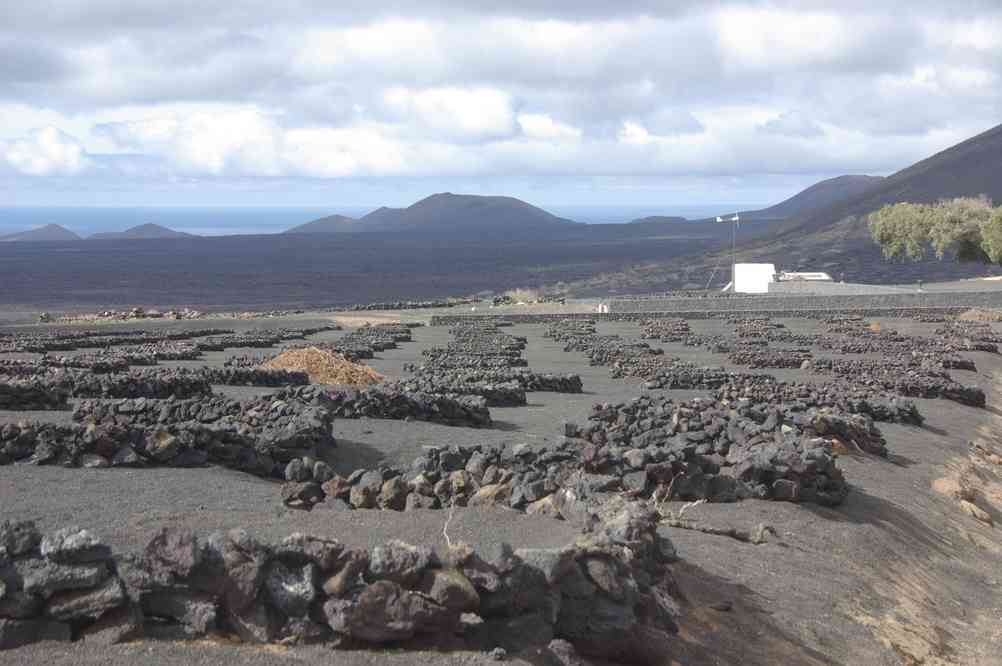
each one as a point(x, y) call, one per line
point(897, 570)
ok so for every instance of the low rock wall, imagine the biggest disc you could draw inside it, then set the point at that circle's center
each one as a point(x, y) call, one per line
point(27, 394)
point(820, 309)
point(608, 593)
point(258, 436)
point(388, 402)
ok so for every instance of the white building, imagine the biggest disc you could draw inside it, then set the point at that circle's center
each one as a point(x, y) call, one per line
point(752, 278)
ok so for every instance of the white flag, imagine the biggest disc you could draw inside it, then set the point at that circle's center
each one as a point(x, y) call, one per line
point(720, 219)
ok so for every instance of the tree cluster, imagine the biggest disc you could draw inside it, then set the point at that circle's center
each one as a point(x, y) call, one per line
point(968, 227)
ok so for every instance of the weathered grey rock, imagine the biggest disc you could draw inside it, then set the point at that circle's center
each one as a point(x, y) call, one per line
point(302, 631)
point(17, 604)
point(258, 623)
point(297, 471)
point(298, 549)
point(126, 457)
point(451, 589)
point(195, 610)
point(385, 612)
point(400, 562)
point(516, 634)
point(498, 493)
point(93, 461)
point(243, 560)
point(160, 445)
point(119, 625)
point(173, 552)
point(562, 653)
point(302, 494)
point(352, 565)
point(393, 494)
point(416, 502)
point(77, 604)
point(44, 578)
point(365, 493)
point(291, 590)
point(17, 633)
point(73, 545)
point(322, 472)
point(19, 537)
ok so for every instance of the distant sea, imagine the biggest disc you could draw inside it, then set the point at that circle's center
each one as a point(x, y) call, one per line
point(219, 221)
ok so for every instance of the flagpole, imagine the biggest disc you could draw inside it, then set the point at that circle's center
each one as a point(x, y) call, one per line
point(734, 237)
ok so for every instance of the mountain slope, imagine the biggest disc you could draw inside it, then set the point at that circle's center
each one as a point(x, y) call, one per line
point(325, 225)
point(50, 232)
point(969, 168)
point(835, 238)
point(141, 232)
point(817, 197)
point(454, 213)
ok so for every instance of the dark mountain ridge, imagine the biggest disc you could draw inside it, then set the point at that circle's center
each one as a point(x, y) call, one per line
point(817, 197)
point(50, 232)
point(325, 225)
point(142, 231)
point(444, 213)
point(970, 168)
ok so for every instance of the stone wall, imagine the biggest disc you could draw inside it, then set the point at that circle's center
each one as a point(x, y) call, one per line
point(258, 436)
point(829, 302)
point(607, 594)
point(27, 394)
point(773, 308)
point(384, 401)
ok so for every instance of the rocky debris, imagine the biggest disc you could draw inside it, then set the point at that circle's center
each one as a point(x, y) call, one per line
point(324, 367)
point(719, 450)
point(132, 314)
point(260, 339)
point(722, 452)
point(495, 394)
point(391, 402)
point(96, 363)
point(264, 376)
point(379, 337)
point(258, 436)
point(907, 378)
point(148, 383)
point(31, 394)
point(68, 340)
point(599, 595)
point(665, 330)
point(169, 350)
point(410, 305)
point(793, 358)
point(443, 358)
point(838, 395)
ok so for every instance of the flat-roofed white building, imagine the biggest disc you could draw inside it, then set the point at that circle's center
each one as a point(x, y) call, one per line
point(752, 278)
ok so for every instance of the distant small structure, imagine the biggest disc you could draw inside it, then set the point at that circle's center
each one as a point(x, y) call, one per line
point(815, 276)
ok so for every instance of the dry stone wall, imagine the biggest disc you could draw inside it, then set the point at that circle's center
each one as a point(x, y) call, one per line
point(608, 593)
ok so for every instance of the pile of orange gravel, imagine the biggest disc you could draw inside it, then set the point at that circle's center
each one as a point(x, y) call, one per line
point(324, 367)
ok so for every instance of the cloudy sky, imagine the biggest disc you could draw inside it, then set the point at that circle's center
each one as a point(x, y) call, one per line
point(259, 102)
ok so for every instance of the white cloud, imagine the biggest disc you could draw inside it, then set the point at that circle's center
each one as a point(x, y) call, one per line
point(45, 152)
point(541, 126)
point(460, 113)
point(634, 134)
point(792, 123)
point(315, 91)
